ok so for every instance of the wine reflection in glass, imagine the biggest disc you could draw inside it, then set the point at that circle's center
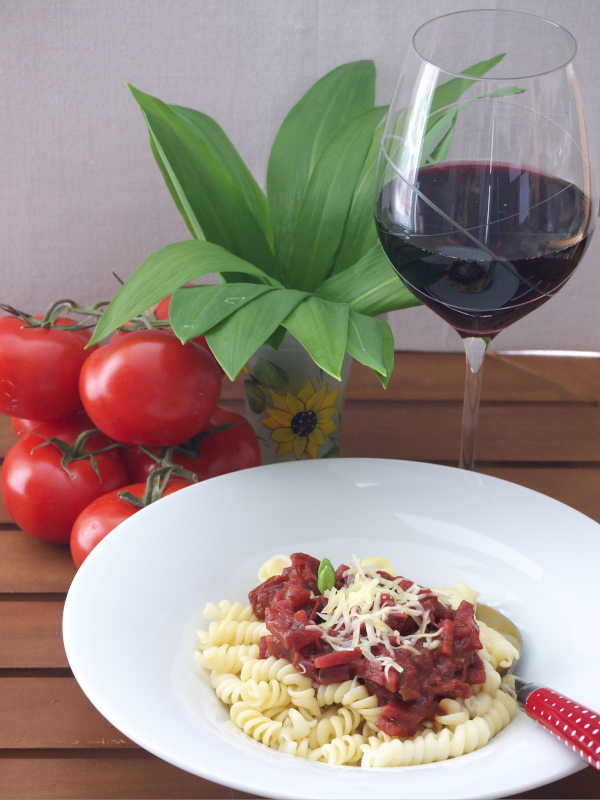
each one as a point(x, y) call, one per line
point(484, 203)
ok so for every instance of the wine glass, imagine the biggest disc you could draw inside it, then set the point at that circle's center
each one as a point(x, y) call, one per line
point(483, 192)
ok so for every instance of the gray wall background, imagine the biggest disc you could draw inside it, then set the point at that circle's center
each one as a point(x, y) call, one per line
point(80, 194)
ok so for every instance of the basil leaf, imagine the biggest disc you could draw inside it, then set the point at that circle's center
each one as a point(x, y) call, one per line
point(326, 576)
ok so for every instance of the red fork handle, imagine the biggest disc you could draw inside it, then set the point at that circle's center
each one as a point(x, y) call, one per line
point(577, 726)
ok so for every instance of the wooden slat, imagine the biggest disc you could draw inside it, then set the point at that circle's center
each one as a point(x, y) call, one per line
point(31, 565)
point(52, 713)
point(584, 785)
point(122, 775)
point(440, 376)
point(579, 375)
point(134, 775)
point(431, 432)
point(4, 515)
point(31, 634)
point(7, 435)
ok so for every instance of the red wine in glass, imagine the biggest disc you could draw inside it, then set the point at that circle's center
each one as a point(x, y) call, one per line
point(487, 244)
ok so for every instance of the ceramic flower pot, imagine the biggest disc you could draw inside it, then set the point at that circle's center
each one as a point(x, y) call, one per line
point(295, 408)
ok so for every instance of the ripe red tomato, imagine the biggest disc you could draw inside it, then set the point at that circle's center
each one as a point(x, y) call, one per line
point(39, 369)
point(22, 426)
point(147, 388)
point(218, 453)
point(224, 451)
point(161, 312)
point(42, 498)
point(104, 514)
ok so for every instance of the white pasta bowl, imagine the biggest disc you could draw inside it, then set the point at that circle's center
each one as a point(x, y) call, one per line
point(135, 605)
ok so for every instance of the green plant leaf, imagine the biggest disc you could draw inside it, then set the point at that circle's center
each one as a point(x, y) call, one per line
point(275, 340)
point(360, 233)
point(448, 93)
point(442, 148)
point(163, 273)
point(239, 336)
point(196, 309)
point(321, 327)
point(208, 129)
point(370, 286)
point(504, 92)
point(440, 125)
point(437, 132)
point(337, 97)
point(366, 343)
point(388, 352)
point(175, 189)
point(444, 109)
point(214, 193)
point(327, 202)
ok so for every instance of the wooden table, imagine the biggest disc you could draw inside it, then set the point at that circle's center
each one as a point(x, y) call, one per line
point(540, 427)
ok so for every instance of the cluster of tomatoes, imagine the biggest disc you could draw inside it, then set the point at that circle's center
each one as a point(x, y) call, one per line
point(107, 429)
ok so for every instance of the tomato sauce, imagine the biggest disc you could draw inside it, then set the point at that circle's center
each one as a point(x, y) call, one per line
point(290, 605)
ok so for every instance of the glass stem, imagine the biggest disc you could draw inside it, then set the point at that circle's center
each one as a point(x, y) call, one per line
point(475, 350)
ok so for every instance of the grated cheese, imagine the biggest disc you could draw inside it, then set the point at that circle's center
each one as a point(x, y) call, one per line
point(355, 616)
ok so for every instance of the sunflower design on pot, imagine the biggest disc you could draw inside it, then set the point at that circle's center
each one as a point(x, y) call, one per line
point(302, 423)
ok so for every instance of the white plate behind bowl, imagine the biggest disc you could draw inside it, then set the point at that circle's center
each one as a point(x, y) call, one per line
point(134, 607)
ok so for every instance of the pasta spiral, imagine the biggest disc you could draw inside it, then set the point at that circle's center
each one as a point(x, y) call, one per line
point(227, 610)
point(305, 699)
point(288, 745)
point(228, 688)
point(500, 653)
point(254, 723)
point(426, 747)
point(274, 566)
point(296, 725)
point(345, 693)
point(264, 694)
point(263, 669)
point(500, 713)
point(232, 632)
point(333, 726)
point(226, 658)
point(343, 749)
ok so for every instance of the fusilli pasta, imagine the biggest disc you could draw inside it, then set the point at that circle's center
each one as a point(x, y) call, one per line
point(336, 723)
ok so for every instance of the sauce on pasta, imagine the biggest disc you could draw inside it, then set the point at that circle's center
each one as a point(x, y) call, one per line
point(403, 642)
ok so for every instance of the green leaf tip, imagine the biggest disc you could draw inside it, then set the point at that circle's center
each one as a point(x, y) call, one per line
point(326, 576)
